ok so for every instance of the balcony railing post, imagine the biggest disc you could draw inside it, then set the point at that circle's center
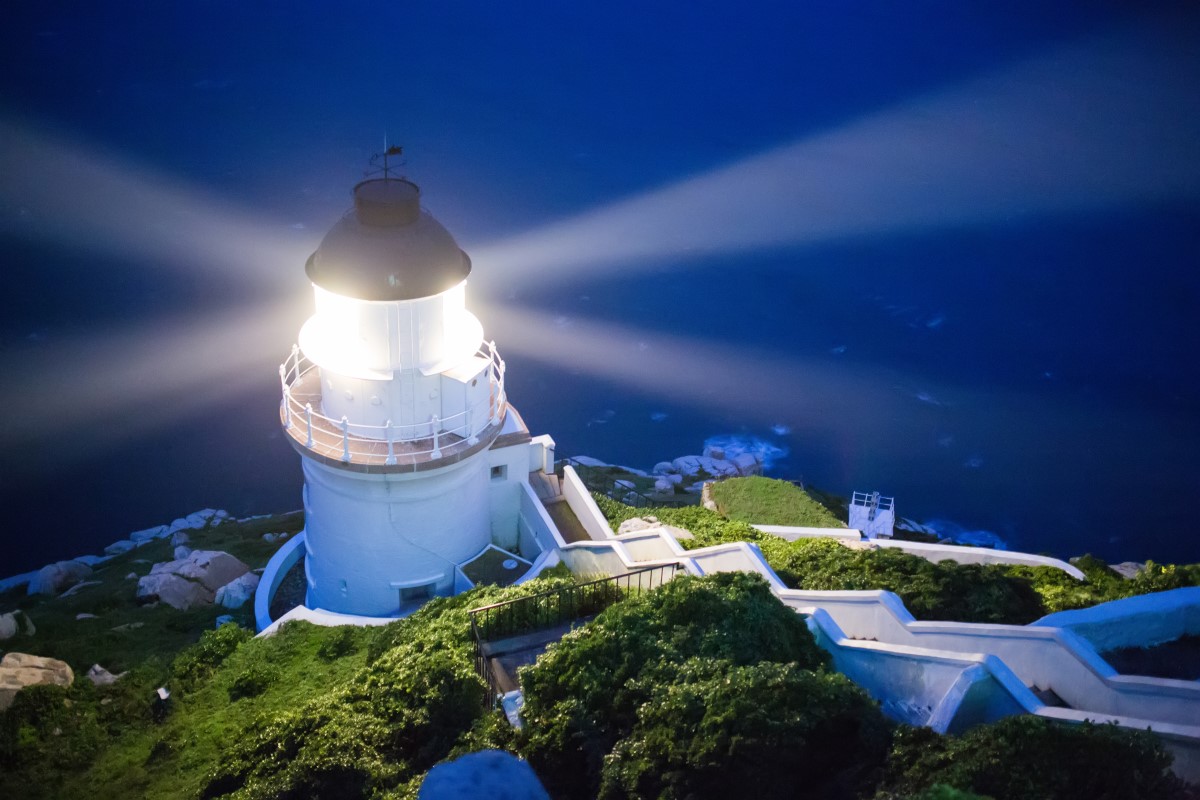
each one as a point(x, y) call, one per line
point(345, 438)
point(308, 415)
point(391, 456)
point(437, 450)
point(287, 401)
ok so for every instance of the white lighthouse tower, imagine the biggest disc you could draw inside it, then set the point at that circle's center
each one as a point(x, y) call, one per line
point(396, 403)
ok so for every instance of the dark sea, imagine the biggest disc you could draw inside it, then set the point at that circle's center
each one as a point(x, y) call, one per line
point(944, 251)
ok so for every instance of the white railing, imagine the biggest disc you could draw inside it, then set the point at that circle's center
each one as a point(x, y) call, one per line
point(389, 443)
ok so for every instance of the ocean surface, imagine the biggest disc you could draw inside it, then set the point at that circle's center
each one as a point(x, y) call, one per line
point(941, 252)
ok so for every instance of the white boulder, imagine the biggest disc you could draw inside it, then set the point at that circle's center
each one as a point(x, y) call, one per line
point(638, 524)
point(18, 670)
point(9, 627)
point(53, 578)
point(149, 534)
point(235, 593)
point(174, 590)
point(79, 587)
point(100, 676)
point(213, 568)
point(662, 485)
point(1126, 569)
point(746, 464)
point(190, 581)
point(180, 538)
point(663, 468)
point(182, 552)
point(120, 547)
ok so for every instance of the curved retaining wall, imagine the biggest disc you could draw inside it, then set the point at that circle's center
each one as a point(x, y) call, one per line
point(284, 559)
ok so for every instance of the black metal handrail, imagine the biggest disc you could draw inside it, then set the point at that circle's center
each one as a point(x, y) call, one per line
point(551, 609)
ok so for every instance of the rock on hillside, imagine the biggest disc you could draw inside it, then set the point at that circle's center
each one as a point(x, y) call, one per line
point(190, 581)
point(18, 670)
point(53, 578)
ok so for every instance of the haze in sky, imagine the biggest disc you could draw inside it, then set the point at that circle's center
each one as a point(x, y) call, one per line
point(941, 251)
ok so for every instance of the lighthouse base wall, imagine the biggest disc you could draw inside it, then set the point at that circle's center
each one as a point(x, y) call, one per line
point(379, 542)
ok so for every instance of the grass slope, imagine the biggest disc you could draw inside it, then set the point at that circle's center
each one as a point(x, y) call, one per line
point(765, 501)
point(123, 633)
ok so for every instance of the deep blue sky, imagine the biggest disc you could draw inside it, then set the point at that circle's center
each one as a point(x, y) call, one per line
point(1029, 372)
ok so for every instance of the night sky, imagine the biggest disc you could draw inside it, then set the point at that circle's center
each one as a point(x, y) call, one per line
point(946, 251)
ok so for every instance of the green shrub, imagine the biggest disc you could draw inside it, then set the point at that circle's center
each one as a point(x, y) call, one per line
point(251, 681)
point(710, 729)
point(582, 695)
point(196, 663)
point(341, 641)
point(1025, 757)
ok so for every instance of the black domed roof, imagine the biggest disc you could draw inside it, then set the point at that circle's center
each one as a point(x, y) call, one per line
point(388, 248)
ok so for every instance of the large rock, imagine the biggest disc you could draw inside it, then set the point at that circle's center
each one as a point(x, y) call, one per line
point(746, 464)
point(9, 627)
point(53, 578)
point(174, 590)
point(149, 534)
point(213, 568)
point(120, 547)
point(190, 581)
point(637, 524)
point(18, 670)
point(235, 593)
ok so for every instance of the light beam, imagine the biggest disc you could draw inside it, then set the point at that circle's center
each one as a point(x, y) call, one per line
point(1106, 122)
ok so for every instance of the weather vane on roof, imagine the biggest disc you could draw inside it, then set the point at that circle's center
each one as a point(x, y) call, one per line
point(388, 150)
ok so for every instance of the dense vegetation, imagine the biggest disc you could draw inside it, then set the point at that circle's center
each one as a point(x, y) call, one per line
point(704, 688)
point(1031, 757)
point(942, 591)
point(693, 690)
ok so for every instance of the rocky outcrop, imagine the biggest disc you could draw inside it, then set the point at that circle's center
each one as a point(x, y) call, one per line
point(190, 581)
point(54, 578)
point(18, 670)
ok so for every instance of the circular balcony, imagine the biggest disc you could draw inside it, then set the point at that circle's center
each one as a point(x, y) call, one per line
point(389, 447)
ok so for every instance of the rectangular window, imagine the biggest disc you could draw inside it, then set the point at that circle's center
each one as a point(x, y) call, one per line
point(416, 594)
point(499, 472)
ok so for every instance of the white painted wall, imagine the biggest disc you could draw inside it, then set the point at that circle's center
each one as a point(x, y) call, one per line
point(368, 532)
point(1140, 621)
point(794, 532)
point(537, 531)
point(585, 508)
point(978, 555)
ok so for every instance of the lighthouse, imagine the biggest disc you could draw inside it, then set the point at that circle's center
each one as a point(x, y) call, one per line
point(412, 455)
